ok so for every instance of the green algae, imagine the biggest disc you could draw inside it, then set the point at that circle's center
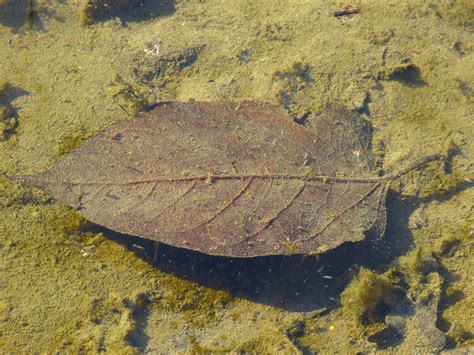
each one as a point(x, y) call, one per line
point(459, 13)
point(69, 143)
point(365, 298)
point(200, 305)
point(417, 265)
point(127, 96)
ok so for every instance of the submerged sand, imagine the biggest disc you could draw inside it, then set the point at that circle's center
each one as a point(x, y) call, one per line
point(67, 71)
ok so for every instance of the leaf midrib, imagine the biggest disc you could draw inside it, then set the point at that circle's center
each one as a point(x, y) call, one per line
point(224, 177)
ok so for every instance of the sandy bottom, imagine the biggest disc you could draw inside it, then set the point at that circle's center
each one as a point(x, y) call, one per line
point(69, 69)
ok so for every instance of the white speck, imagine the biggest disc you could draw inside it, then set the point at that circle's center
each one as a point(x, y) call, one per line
point(152, 50)
point(356, 153)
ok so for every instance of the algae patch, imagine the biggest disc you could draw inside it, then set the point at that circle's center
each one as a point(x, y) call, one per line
point(129, 97)
point(384, 313)
point(432, 312)
point(69, 143)
point(366, 299)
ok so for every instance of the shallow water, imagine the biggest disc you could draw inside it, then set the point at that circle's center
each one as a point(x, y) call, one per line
point(67, 285)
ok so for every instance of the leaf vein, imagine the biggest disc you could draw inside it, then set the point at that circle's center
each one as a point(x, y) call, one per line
point(219, 212)
point(338, 215)
point(274, 217)
point(173, 203)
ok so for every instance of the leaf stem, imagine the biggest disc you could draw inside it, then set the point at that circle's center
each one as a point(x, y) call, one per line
point(416, 165)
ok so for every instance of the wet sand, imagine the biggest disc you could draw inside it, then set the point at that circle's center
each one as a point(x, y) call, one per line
point(67, 285)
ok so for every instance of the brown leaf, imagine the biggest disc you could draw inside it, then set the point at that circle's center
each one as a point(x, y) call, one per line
point(234, 179)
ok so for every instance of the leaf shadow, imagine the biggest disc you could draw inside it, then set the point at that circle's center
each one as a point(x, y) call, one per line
point(311, 284)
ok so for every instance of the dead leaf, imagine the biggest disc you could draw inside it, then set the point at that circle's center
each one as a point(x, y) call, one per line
point(233, 179)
